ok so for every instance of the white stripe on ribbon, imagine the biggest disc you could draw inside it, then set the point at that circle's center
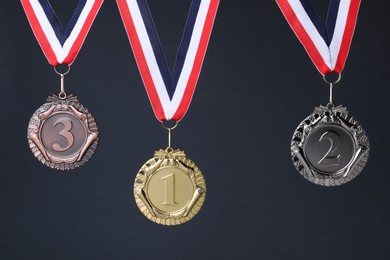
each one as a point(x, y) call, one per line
point(169, 106)
point(60, 51)
point(339, 30)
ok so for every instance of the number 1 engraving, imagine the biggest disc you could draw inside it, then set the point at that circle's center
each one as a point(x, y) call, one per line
point(330, 158)
point(169, 183)
point(64, 133)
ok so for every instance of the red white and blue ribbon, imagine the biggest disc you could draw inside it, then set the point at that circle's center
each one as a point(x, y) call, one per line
point(60, 45)
point(327, 44)
point(169, 94)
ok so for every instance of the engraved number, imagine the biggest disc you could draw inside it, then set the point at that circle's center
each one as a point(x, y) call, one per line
point(169, 183)
point(330, 158)
point(65, 133)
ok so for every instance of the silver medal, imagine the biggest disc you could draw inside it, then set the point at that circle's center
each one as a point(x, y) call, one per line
point(330, 147)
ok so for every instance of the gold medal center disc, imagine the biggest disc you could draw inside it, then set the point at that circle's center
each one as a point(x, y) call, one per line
point(170, 189)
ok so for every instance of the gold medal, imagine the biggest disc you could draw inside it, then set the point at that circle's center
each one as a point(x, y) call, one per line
point(169, 189)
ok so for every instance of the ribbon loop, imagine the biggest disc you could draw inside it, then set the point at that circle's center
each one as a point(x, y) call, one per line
point(169, 94)
point(60, 45)
point(327, 43)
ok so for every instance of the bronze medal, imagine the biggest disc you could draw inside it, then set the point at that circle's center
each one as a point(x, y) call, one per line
point(62, 133)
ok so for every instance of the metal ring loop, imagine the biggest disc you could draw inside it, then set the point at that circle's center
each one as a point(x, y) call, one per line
point(169, 149)
point(169, 128)
point(59, 73)
point(333, 83)
point(62, 95)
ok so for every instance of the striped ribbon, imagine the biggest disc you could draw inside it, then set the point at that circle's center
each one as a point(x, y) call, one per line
point(327, 43)
point(60, 45)
point(170, 93)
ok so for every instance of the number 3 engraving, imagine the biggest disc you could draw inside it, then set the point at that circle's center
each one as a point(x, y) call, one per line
point(65, 133)
point(330, 158)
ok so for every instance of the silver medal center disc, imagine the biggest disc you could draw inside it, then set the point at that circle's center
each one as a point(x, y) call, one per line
point(330, 147)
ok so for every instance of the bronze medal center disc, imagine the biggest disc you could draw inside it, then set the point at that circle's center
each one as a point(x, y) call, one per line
point(329, 148)
point(63, 134)
point(170, 189)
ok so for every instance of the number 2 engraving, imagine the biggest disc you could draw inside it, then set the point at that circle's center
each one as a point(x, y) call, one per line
point(67, 123)
point(169, 195)
point(330, 158)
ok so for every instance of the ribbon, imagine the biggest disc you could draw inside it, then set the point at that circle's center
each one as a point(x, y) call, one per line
point(327, 44)
point(170, 94)
point(60, 45)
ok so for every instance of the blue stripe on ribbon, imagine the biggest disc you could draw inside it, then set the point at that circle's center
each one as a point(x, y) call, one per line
point(325, 30)
point(62, 35)
point(331, 19)
point(170, 80)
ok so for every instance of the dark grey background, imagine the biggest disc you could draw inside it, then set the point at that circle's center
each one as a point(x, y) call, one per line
point(256, 85)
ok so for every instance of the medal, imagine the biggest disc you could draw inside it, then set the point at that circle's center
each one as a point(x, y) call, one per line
point(169, 189)
point(62, 133)
point(329, 147)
